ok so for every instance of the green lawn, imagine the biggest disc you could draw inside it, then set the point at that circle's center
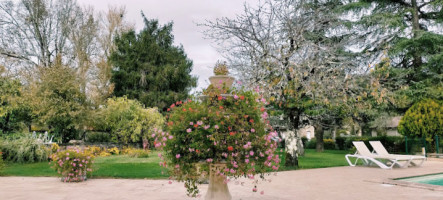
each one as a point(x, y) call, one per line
point(122, 166)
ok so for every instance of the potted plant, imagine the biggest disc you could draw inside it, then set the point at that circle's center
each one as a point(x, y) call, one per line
point(222, 137)
point(72, 165)
point(221, 77)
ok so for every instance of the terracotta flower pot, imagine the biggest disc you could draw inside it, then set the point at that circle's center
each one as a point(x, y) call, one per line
point(220, 80)
point(218, 188)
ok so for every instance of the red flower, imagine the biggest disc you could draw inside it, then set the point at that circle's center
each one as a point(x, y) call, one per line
point(251, 120)
point(230, 148)
point(168, 109)
point(231, 133)
point(190, 109)
point(197, 151)
point(221, 107)
point(242, 97)
point(262, 109)
point(170, 123)
point(173, 105)
point(246, 116)
point(195, 125)
point(220, 98)
point(184, 109)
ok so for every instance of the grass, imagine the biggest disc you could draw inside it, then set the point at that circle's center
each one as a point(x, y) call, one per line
point(122, 166)
point(119, 166)
point(313, 159)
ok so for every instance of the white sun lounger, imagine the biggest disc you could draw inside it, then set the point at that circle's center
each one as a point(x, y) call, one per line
point(381, 150)
point(384, 162)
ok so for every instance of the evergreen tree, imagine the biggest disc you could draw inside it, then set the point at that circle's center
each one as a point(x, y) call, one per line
point(423, 119)
point(409, 33)
point(148, 67)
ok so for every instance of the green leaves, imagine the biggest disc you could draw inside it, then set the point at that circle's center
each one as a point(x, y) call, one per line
point(128, 120)
point(423, 119)
point(149, 68)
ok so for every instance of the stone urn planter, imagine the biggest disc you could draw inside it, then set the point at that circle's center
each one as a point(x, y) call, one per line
point(218, 188)
point(219, 80)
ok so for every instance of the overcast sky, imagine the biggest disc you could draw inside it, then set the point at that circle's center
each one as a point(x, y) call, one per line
point(185, 14)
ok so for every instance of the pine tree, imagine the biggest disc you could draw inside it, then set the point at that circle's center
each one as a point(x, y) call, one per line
point(149, 68)
point(409, 33)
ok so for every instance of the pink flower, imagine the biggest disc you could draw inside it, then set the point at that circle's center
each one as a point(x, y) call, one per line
point(170, 137)
point(200, 123)
point(80, 165)
point(73, 164)
point(251, 153)
point(188, 130)
point(254, 189)
point(67, 158)
point(170, 182)
point(209, 160)
point(177, 156)
point(207, 126)
point(246, 160)
point(235, 96)
point(153, 135)
point(216, 127)
point(67, 154)
point(262, 192)
point(252, 130)
point(177, 166)
point(191, 123)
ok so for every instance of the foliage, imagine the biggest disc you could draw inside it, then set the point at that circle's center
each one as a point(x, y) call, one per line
point(311, 143)
point(423, 119)
point(405, 32)
point(136, 153)
point(149, 68)
point(13, 111)
point(93, 150)
point(54, 148)
point(98, 137)
point(57, 101)
point(128, 120)
point(2, 164)
point(227, 129)
point(329, 144)
point(72, 165)
point(114, 151)
point(24, 149)
point(221, 68)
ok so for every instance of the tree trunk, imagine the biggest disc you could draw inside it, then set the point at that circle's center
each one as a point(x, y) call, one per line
point(417, 61)
point(319, 147)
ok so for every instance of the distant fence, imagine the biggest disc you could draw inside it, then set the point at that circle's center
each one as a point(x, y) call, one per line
point(416, 145)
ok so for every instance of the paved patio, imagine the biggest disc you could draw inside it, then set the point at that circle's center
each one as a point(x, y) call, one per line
point(328, 183)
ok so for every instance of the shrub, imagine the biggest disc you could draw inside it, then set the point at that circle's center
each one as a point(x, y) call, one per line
point(304, 141)
point(104, 154)
point(72, 165)
point(93, 150)
point(129, 121)
point(54, 147)
point(93, 137)
point(138, 153)
point(311, 143)
point(2, 164)
point(423, 119)
point(114, 151)
point(329, 144)
point(24, 149)
point(340, 142)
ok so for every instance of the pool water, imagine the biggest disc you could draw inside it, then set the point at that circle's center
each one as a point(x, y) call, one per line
point(433, 179)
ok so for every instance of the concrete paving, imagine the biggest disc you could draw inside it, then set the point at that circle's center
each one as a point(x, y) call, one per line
point(328, 183)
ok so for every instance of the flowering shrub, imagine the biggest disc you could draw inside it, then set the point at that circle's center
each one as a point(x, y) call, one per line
point(114, 151)
point(137, 153)
point(229, 129)
point(72, 164)
point(93, 150)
